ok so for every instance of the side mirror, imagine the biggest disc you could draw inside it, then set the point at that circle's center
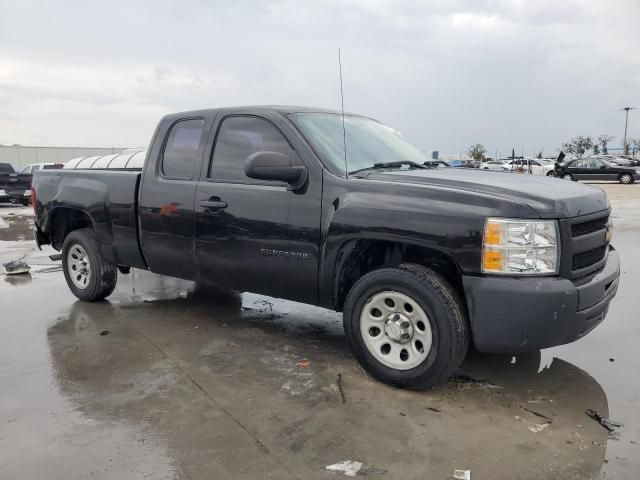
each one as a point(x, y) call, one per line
point(275, 166)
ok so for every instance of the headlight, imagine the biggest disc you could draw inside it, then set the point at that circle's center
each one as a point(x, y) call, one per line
point(2, 192)
point(527, 247)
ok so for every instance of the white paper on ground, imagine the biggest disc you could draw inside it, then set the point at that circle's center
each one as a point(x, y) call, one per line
point(349, 467)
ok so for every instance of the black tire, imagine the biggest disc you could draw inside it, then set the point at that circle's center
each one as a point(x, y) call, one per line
point(103, 275)
point(626, 178)
point(446, 315)
point(551, 174)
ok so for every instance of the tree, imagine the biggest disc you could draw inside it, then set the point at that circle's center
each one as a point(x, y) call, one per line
point(604, 140)
point(477, 152)
point(596, 150)
point(578, 146)
point(539, 155)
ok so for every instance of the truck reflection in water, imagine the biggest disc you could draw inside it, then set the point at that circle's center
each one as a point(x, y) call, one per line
point(167, 341)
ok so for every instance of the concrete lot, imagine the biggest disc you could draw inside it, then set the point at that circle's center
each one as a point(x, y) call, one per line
point(166, 380)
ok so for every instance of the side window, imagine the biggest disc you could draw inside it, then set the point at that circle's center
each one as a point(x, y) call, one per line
point(26, 170)
point(181, 150)
point(239, 137)
point(595, 163)
point(34, 168)
point(578, 164)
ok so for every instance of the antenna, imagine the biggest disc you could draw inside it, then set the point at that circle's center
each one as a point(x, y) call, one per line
point(344, 131)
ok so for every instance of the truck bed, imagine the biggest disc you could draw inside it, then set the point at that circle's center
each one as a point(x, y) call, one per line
point(110, 197)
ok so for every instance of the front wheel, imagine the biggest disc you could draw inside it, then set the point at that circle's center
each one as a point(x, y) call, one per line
point(567, 176)
point(406, 326)
point(626, 178)
point(88, 275)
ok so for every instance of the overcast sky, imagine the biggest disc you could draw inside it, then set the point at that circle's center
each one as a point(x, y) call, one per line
point(446, 73)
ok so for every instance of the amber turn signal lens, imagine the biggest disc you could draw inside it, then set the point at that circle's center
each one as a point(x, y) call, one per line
point(494, 233)
point(492, 260)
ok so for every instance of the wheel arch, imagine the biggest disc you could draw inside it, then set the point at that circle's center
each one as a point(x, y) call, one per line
point(64, 220)
point(357, 257)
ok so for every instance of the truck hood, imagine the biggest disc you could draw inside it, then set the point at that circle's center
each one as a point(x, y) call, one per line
point(548, 197)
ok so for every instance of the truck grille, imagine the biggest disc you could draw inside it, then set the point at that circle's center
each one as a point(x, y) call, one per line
point(588, 258)
point(584, 245)
point(584, 228)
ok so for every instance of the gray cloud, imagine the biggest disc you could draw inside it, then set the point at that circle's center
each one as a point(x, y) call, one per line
point(446, 73)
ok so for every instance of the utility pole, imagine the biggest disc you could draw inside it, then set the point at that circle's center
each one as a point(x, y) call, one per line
point(626, 123)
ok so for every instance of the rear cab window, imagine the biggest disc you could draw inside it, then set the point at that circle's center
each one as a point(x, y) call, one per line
point(180, 156)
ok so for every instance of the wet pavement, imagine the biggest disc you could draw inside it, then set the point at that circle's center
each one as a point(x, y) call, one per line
point(172, 380)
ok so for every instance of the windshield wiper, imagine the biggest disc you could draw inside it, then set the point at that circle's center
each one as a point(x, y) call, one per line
point(396, 164)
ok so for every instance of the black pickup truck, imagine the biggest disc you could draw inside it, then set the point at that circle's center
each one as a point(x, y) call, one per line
point(422, 262)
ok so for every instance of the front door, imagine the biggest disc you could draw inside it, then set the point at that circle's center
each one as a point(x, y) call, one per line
point(243, 230)
point(600, 170)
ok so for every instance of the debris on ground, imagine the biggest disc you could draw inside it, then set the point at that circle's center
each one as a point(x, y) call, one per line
point(608, 424)
point(349, 467)
point(466, 379)
point(339, 382)
point(462, 474)
point(303, 363)
point(612, 359)
point(371, 471)
point(16, 267)
point(538, 427)
point(263, 305)
point(538, 414)
point(55, 257)
point(104, 332)
point(434, 409)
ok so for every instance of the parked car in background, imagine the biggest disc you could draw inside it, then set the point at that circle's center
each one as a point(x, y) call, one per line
point(530, 165)
point(596, 169)
point(17, 186)
point(462, 163)
point(624, 161)
point(436, 164)
point(495, 165)
point(5, 168)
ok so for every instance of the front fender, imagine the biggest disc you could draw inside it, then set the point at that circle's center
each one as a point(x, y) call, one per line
point(450, 229)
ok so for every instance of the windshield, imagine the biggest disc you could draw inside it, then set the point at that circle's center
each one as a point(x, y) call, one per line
point(368, 141)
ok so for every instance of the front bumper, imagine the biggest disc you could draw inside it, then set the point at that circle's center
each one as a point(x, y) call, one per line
point(512, 315)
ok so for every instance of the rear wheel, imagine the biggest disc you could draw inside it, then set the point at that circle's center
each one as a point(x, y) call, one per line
point(406, 326)
point(551, 173)
point(88, 275)
point(567, 176)
point(625, 178)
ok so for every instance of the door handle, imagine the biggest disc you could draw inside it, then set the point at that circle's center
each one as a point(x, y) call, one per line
point(213, 204)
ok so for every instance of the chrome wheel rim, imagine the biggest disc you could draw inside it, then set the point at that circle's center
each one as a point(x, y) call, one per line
point(78, 266)
point(625, 178)
point(566, 177)
point(396, 330)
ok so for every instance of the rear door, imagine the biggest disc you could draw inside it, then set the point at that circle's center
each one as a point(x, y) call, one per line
point(166, 200)
point(579, 169)
point(256, 235)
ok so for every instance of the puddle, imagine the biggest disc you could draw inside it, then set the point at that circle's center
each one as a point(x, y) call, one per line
point(16, 228)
